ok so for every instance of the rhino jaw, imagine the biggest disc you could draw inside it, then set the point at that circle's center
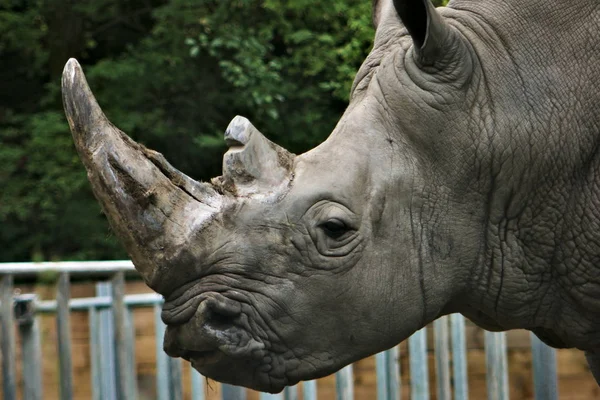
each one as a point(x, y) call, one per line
point(154, 208)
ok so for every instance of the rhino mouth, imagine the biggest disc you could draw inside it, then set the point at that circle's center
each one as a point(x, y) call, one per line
point(222, 338)
point(209, 357)
point(199, 359)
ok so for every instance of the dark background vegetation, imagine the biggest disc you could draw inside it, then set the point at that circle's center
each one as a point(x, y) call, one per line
point(171, 74)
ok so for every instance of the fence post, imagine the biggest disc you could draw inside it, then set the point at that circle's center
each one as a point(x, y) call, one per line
point(544, 370)
point(9, 385)
point(107, 345)
point(290, 393)
point(130, 346)
point(31, 350)
point(309, 390)
point(95, 354)
point(393, 368)
point(442, 358)
point(388, 373)
point(380, 371)
point(344, 383)
point(459, 357)
point(175, 376)
point(497, 371)
point(268, 396)
point(419, 375)
point(126, 384)
point(197, 384)
point(230, 392)
point(63, 295)
point(168, 370)
point(162, 361)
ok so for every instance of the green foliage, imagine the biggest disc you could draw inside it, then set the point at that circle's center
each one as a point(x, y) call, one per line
point(172, 74)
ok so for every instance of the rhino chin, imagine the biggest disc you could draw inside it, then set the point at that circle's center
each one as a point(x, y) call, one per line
point(243, 372)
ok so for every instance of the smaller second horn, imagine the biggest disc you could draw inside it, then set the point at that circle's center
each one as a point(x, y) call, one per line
point(253, 163)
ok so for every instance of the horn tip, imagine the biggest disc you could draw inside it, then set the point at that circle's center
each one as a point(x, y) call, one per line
point(70, 72)
point(238, 132)
point(81, 108)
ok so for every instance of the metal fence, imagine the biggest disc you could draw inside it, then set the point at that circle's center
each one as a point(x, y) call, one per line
point(112, 347)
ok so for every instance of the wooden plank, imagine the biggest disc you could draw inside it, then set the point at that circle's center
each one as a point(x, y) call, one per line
point(9, 381)
point(442, 358)
point(544, 370)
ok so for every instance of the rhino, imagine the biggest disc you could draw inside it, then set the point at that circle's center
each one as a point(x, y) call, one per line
point(464, 177)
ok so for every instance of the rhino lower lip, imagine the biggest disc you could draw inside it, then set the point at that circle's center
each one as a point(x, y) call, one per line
point(201, 358)
point(194, 355)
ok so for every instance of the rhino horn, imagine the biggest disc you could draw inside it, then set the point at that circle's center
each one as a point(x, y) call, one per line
point(153, 208)
point(253, 164)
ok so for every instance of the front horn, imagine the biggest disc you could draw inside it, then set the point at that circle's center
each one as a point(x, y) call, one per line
point(153, 208)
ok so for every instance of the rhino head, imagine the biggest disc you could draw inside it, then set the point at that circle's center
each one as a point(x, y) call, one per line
point(288, 267)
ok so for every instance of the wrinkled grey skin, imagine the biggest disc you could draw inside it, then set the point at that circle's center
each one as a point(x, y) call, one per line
point(463, 177)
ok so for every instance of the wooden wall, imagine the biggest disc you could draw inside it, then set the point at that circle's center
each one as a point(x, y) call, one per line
point(575, 380)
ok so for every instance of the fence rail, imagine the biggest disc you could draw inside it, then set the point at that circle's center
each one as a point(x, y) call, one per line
point(112, 345)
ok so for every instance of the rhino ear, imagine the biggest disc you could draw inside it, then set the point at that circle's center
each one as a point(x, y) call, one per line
point(377, 11)
point(253, 164)
point(384, 12)
point(427, 28)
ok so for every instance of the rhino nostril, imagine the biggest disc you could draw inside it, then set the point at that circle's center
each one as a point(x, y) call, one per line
point(218, 319)
point(220, 309)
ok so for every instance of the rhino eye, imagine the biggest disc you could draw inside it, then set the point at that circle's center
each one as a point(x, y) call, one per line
point(334, 228)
